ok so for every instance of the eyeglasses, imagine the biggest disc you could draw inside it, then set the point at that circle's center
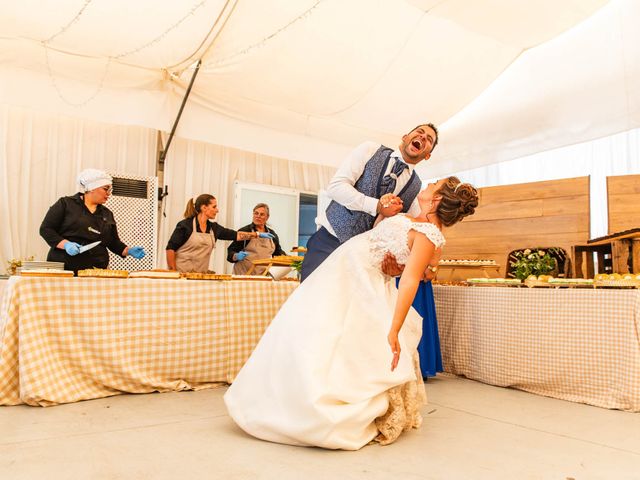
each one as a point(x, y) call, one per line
point(107, 188)
point(259, 214)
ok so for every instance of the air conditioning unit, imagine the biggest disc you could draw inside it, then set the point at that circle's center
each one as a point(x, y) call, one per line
point(134, 203)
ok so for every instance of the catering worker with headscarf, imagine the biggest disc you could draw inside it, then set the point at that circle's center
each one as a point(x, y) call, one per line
point(194, 238)
point(81, 220)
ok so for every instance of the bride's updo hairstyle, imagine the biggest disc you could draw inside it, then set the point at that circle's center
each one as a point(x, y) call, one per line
point(458, 201)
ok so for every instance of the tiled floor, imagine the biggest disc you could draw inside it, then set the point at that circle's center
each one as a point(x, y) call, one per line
point(471, 431)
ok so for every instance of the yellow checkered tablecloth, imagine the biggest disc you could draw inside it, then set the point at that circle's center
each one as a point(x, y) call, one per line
point(580, 345)
point(69, 339)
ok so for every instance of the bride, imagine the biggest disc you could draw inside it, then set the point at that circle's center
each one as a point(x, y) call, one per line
point(338, 366)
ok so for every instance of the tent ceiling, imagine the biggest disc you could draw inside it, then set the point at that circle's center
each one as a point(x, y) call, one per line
point(309, 79)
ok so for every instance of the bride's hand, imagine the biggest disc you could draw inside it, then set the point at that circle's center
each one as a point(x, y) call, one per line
point(392, 338)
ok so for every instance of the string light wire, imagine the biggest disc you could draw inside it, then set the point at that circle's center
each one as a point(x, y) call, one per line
point(265, 40)
point(46, 45)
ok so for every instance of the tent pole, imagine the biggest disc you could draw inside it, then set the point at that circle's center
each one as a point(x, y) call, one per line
point(163, 153)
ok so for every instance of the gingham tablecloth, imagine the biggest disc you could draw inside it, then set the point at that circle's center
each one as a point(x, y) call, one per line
point(580, 345)
point(69, 339)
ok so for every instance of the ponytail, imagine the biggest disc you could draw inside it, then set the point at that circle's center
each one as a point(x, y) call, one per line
point(194, 208)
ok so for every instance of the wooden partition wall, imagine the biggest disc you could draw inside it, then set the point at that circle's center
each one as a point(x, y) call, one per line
point(554, 213)
point(623, 202)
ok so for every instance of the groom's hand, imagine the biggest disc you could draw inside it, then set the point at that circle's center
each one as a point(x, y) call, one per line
point(389, 205)
point(432, 270)
point(430, 274)
point(390, 266)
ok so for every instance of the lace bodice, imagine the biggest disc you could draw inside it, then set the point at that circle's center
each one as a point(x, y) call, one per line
point(391, 235)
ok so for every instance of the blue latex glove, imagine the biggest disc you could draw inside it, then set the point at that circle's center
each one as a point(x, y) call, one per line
point(266, 235)
point(72, 248)
point(241, 256)
point(136, 252)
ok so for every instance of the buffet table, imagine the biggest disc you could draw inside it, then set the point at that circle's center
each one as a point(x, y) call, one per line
point(580, 345)
point(69, 339)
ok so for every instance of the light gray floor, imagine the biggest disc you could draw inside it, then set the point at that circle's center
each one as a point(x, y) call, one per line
point(471, 431)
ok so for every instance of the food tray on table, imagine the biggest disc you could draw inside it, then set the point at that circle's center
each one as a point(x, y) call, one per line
point(616, 284)
point(39, 265)
point(256, 278)
point(560, 283)
point(617, 280)
point(277, 261)
point(494, 282)
point(46, 272)
point(161, 274)
point(287, 258)
point(206, 276)
point(103, 273)
point(467, 263)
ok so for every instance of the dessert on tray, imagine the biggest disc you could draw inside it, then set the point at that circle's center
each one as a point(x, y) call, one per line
point(286, 258)
point(494, 281)
point(550, 281)
point(264, 278)
point(628, 280)
point(45, 272)
point(467, 262)
point(205, 276)
point(103, 273)
point(571, 281)
point(166, 274)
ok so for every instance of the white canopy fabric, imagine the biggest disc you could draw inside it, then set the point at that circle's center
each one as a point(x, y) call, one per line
point(308, 80)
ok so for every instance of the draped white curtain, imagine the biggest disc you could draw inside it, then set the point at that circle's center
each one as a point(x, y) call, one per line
point(40, 158)
point(41, 155)
point(193, 168)
point(609, 156)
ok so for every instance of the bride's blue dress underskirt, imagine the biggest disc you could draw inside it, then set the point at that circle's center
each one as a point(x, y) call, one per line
point(429, 347)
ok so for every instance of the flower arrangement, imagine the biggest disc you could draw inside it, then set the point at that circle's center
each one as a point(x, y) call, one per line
point(532, 262)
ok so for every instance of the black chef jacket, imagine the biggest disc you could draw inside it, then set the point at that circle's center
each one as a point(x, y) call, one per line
point(69, 218)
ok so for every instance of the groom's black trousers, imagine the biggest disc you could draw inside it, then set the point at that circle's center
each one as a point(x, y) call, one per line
point(319, 246)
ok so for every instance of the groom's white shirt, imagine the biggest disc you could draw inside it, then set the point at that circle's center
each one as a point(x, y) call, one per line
point(341, 187)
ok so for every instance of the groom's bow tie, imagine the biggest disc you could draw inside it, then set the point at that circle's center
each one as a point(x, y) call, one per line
point(389, 181)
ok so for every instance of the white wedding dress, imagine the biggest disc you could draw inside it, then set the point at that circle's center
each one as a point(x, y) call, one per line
point(321, 373)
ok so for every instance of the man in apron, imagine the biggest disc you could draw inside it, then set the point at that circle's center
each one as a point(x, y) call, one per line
point(241, 253)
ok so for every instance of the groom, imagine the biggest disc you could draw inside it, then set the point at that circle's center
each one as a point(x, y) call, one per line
point(369, 172)
point(372, 172)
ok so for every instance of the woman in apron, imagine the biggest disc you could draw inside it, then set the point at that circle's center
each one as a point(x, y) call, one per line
point(191, 243)
point(241, 252)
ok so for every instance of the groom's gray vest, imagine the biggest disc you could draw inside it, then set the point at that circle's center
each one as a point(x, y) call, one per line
point(348, 223)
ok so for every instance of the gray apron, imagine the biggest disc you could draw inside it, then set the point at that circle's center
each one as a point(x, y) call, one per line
point(257, 249)
point(195, 254)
